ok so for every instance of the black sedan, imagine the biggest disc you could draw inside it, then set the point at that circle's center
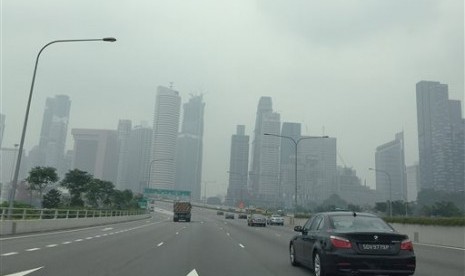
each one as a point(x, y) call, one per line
point(350, 243)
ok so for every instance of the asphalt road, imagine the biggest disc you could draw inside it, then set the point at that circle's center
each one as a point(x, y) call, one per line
point(209, 245)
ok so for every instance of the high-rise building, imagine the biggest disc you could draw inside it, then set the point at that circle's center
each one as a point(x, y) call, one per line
point(413, 180)
point(8, 158)
point(390, 170)
point(54, 132)
point(124, 132)
point(190, 147)
point(2, 127)
point(351, 189)
point(96, 152)
point(317, 170)
point(140, 143)
point(287, 161)
point(165, 132)
point(238, 167)
point(264, 174)
point(441, 141)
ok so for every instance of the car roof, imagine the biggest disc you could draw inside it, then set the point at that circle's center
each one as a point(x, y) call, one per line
point(346, 213)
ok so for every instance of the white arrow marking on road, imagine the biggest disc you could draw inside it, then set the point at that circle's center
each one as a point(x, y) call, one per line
point(193, 273)
point(107, 229)
point(22, 273)
point(160, 244)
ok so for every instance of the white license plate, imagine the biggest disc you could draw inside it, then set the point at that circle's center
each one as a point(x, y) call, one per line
point(375, 246)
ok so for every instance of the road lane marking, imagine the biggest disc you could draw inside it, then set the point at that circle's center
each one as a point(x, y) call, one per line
point(160, 244)
point(177, 233)
point(9, 254)
point(32, 249)
point(439, 246)
point(78, 240)
point(25, 272)
point(277, 235)
point(98, 236)
point(228, 234)
point(89, 238)
point(107, 229)
point(51, 245)
point(241, 245)
point(66, 242)
point(193, 273)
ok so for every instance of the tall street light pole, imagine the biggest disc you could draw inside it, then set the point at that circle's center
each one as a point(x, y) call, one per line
point(296, 143)
point(23, 134)
point(390, 187)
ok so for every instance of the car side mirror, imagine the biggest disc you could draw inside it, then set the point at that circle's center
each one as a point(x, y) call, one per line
point(298, 228)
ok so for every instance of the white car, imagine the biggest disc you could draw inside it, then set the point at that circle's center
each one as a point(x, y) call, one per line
point(275, 219)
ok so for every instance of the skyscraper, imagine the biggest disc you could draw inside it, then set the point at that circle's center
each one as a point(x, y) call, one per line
point(190, 147)
point(124, 132)
point(441, 141)
point(165, 132)
point(2, 127)
point(96, 152)
point(238, 167)
point(140, 143)
point(54, 132)
point(390, 170)
point(287, 161)
point(265, 155)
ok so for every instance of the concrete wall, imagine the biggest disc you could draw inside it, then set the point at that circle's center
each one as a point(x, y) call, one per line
point(453, 236)
point(8, 227)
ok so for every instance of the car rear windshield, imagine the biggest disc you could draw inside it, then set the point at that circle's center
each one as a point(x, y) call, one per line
point(359, 224)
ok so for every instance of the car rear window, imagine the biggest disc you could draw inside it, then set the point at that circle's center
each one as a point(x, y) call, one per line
point(359, 224)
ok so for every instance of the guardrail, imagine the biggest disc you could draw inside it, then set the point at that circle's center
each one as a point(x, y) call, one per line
point(34, 214)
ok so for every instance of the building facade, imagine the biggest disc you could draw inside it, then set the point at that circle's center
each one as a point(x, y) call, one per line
point(140, 143)
point(124, 133)
point(287, 162)
point(237, 193)
point(441, 141)
point(164, 138)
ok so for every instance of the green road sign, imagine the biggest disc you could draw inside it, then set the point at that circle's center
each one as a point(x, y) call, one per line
point(165, 192)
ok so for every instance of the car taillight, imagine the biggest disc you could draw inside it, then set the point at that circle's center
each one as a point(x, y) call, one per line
point(406, 245)
point(339, 242)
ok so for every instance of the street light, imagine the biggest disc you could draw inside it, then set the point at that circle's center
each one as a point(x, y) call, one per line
point(296, 143)
point(23, 134)
point(390, 188)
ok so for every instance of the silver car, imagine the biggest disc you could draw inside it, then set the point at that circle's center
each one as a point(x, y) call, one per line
point(275, 219)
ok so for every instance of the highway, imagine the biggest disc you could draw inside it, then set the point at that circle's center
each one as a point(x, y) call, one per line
point(209, 245)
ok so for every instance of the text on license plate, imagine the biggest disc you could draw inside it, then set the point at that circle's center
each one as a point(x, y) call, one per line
point(375, 246)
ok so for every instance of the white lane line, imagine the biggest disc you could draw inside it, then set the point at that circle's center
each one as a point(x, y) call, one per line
point(107, 229)
point(51, 245)
point(193, 273)
point(66, 242)
point(98, 236)
point(78, 240)
point(25, 272)
point(32, 249)
point(228, 234)
point(9, 254)
point(241, 245)
point(89, 238)
point(160, 244)
point(177, 233)
point(439, 246)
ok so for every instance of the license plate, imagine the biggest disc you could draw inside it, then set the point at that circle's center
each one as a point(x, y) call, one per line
point(375, 247)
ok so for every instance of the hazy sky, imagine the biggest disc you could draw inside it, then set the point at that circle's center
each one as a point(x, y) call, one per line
point(345, 68)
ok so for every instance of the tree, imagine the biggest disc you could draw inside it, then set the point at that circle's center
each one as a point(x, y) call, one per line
point(40, 177)
point(76, 181)
point(98, 192)
point(52, 199)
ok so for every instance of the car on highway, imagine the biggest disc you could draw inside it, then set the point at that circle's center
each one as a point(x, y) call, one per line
point(256, 220)
point(351, 243)
point(229, 216)
point(219, 213)
point(242, 216)
point(275, 219)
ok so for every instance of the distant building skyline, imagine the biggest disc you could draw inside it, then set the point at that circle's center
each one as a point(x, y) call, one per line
point(287, 161)
point(164, 139)
point(124, 132)
point(139, 152)
point(2, 127)
point(441, 139)
point(238, 168)
point(189, 148)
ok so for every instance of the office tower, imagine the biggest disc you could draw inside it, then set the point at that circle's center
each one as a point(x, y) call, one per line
point(53, 133)
point(140, 142)
point(287, 162)
point(238, 167)
point(96, 152)
point(413, 180)
point(124, 131)
point(316, 170)
point(8, 158)
point(189, 148)
point(351, 189)
point(265, 155)
point(2, 127)
point(440, 138)
point(165, 132)
point(390, 170)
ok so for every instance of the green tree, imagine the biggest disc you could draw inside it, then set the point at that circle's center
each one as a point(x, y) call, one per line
point(98, 193)
point(40, 177)
point(123, 199)
point(52, 199)
point(76, 181)
point(445, 209)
